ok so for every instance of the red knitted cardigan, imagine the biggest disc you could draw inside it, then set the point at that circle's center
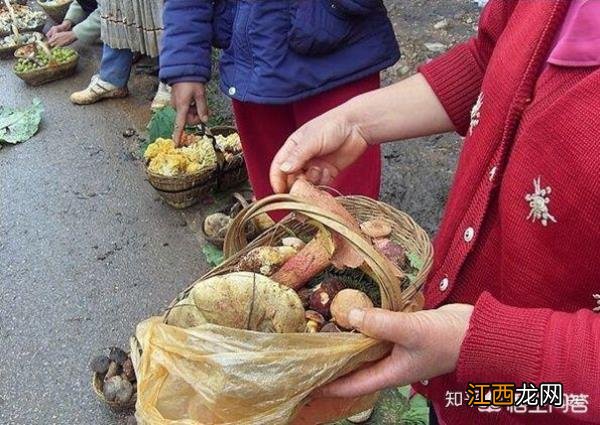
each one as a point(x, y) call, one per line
point(520, 238)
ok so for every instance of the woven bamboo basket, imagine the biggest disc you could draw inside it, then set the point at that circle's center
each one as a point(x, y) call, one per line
point(394, 296)
point(185, 190)
point(251, 229)
point(232, 171)
point(8, 51)
point(405, 231)
point(56, 12)
point(51, 72)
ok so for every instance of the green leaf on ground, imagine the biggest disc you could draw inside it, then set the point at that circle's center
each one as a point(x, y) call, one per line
point(214, 256)
point(161, 124)
point(19, 125)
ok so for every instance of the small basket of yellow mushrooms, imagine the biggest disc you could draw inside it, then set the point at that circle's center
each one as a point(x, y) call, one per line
point(182, 175)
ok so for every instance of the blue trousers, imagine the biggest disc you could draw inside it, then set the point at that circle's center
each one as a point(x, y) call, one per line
point(115, 66)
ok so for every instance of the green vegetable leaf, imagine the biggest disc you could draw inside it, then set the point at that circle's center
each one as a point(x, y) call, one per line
point(161, 124)
point(19, 125)
point(214, 256)
point(416, 262)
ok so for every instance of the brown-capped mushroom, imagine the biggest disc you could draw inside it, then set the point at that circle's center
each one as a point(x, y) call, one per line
point(330, 327)
point(113, 370)
point(100, 364)
point(320, 299)
point(345, 301)
point(392, 251)
point(128, 370)
point(304, 295)
point(377, 228)
point(314, 321)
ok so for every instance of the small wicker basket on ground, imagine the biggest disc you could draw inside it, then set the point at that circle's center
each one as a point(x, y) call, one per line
point(49, 73)
point(185, 190)
point(232, 170)
point(7, 52)
point(56, 11)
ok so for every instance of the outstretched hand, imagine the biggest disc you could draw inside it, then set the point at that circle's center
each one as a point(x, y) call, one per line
point(189, 99)
point(319, 151)
point(426, 344)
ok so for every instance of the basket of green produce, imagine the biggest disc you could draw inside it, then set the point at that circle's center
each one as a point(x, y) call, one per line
point(182, 175)
point(232, 168)
point(37, 64)
point(10, 43)
point(55, 9)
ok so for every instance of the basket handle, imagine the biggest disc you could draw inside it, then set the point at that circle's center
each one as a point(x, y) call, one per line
point(389, 284)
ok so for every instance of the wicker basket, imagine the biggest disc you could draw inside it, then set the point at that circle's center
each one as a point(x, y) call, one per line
point(56, 12)
point(8, 52)
point(232, 172)
point(97, 386)
point(186, 190)
point(404, 231)
point(393, 296)
point(251, 229)
point(37, 28)
point(52, 72)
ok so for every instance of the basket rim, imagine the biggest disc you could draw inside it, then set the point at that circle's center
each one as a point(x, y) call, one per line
point(182, 177)
point(54, 6)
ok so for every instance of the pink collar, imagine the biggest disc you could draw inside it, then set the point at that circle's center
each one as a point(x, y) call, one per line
point(578, 43)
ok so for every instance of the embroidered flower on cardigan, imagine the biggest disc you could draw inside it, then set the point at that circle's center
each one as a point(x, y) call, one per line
point(538, 202)
point(597, 298)
point(475, 113)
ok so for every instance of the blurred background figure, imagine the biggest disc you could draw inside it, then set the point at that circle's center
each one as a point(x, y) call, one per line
point(82, 22)
point(127, 26)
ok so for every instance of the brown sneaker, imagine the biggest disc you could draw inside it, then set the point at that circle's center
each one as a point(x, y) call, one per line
point(98, 90)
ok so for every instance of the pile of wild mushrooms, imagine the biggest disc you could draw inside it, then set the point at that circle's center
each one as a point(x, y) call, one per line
point(116, 374)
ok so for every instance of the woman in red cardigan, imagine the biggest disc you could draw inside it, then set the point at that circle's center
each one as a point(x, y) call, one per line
point(512, 296)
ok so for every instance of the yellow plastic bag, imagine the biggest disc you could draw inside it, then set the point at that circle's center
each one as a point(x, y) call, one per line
point(216, 375)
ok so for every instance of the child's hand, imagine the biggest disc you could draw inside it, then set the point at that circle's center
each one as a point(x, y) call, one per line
point(188, 98)
point(319, 150)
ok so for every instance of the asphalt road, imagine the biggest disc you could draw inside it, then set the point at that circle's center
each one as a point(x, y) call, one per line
point(86, 250)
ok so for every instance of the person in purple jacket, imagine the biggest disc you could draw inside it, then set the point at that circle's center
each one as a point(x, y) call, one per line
point(284, 62)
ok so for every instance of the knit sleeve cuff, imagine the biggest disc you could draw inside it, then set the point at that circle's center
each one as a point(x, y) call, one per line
point(503, 343)
point(189, 79)
point(456, 78)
